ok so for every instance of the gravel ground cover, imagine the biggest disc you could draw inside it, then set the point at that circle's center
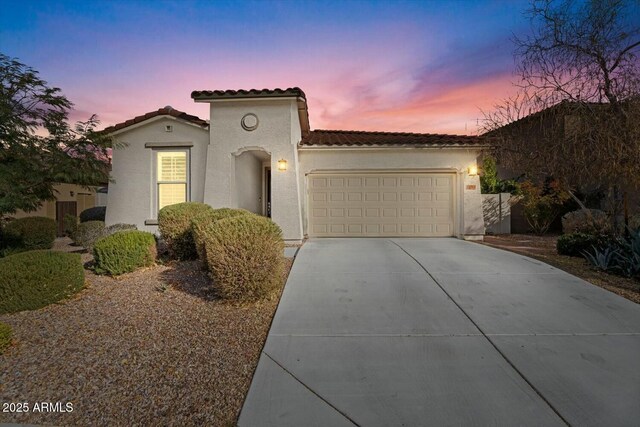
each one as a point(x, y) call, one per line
point(153, 347)
point(543, 248)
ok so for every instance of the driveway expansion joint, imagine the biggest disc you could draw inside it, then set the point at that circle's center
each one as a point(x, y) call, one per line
point(504, 356)
point(347, 417)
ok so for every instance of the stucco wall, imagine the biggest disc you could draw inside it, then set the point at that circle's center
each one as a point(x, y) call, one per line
point(469, 203)
point(131, 195)
point(85, 198)
point(249, 182)
point(276, 135)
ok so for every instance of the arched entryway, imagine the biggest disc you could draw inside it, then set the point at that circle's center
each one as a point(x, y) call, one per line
point(252, 180)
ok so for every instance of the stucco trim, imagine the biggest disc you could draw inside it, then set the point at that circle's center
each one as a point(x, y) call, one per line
point(168, 144)
point(156, 119)
point(391, 147)
point(241, 150)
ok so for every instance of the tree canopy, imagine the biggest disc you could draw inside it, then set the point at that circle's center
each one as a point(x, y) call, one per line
point(576, 115)
point(38, 146)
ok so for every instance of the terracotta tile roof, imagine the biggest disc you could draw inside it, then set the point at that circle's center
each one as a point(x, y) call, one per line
point(251, 93)
point(351, 138)
point(166, 111)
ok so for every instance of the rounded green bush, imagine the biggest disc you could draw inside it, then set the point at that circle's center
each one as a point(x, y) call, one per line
point(87, 233)
point(6, 334)
point(97, 213)
point(35, 279)
point(575, 244)
point(204, 220)
point(124, 251)
point(174, 223)
point(245, 257)
point(33, 232)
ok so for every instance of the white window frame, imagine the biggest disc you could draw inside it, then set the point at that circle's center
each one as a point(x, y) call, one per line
point(156, 183)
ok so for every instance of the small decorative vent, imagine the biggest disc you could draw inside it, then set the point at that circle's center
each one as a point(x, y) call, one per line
point(249, 122)
point(168, 128)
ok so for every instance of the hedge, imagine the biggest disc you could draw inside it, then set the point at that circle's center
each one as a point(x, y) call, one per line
point(174, 223)
point(124, 251)
point(244, 255)
point(29, 233)
point(6, 334)
point(203, 221)
point(97, 213)
point(35, 279)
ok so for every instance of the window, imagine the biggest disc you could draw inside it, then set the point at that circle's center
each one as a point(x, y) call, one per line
point(172, 177)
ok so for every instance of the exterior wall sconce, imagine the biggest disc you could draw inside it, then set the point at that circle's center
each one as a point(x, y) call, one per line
point(282, 165)
point(473, 170)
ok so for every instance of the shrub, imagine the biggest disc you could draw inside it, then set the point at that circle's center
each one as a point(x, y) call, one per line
point(34, 279)
point(244, 256)
point(97, 213)
point(575, 244)
point(542, 204)
point(203, 221)
point(70, 223)
point(114, 228)
point(174, 223)
point(634, 222)
point(589, 221)
point(88, 233)
point(124, 252)
point(5, 336)
point(34, 232)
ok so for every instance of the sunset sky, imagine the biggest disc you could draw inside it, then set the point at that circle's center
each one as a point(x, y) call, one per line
point(427, 66)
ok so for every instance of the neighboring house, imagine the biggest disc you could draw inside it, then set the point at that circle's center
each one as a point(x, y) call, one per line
point(546, 128)
point(70, 199)
point(257, 152)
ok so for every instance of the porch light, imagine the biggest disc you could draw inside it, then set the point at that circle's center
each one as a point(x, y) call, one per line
point(473, 170)
point(282, 165)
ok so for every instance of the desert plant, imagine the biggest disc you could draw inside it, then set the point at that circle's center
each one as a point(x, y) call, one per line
point(88, 233)
point(6, 334)
point(589, 221)
point(34, 279)
point(33, 232)
point(575, 244)
point(124, 251)
point(542, 204)
point(204, 220)
point(629, 254)
point(70, 223)
point(97, 213)
point(605, 259)
point(174, 223)
point(244, 255)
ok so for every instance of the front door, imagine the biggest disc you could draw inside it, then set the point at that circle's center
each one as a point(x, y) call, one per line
point(62, 209)
point(267, 192)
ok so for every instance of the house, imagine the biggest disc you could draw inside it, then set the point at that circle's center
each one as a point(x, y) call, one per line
point(258, 153)
point(70, 199)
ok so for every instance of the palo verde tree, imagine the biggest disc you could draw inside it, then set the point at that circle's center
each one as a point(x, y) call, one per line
point(576, 116)
point(38, 148)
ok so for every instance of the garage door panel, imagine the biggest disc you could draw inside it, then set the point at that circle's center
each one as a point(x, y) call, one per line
point(380, 205)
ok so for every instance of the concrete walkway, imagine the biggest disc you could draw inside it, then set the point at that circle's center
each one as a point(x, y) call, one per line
point(414, 332)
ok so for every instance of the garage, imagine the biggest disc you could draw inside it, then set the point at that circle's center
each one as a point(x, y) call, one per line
point(389, 204)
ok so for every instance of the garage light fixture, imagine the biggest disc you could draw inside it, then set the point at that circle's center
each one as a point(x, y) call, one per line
point(282, 165)
point(473, 170)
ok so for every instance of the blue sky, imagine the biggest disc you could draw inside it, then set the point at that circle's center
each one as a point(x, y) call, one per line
point(397, 66)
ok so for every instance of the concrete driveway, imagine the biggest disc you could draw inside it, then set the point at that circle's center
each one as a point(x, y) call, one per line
point(414, 332)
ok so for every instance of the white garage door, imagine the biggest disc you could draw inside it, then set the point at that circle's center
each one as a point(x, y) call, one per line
point(388, 204)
